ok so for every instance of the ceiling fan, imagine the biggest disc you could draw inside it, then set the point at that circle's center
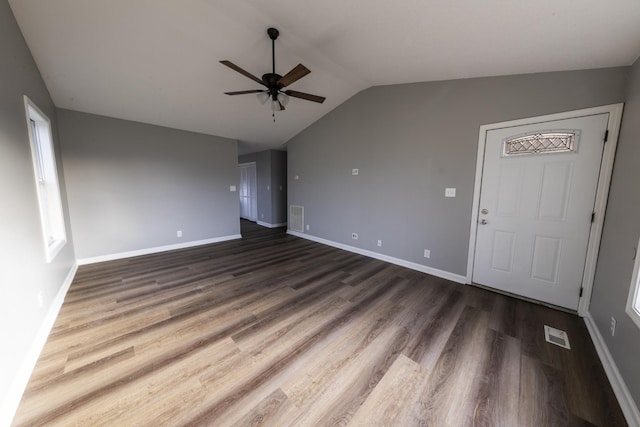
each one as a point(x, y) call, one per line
point(275, 83)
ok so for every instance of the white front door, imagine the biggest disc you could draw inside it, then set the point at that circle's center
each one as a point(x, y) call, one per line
point(537, 197)
point(248, 191)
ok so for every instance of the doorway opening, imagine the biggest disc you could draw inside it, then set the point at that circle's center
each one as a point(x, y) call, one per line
point(248, 191)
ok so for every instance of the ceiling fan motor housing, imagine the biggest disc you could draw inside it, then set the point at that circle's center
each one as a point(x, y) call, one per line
point(271, 80)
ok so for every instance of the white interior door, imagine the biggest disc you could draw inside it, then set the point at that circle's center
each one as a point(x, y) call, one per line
point(537, 196)
point(248, 191)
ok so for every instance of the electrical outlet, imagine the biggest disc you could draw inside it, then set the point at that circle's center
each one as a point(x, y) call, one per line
point(613, 326)
point(232, 188)
point(354, 236)
point(355, 171)
point(379, 242)
point(449, 192)
point(179, 233)
point(307, 227)
point(427, 253)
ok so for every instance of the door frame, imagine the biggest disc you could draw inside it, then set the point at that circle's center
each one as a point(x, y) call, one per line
point(602, 191)
point(255, 182)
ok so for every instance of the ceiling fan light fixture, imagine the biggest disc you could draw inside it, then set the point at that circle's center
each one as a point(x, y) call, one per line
point(263, 97)
point(283, 98)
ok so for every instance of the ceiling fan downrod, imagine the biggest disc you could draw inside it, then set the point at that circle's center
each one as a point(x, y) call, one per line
point(273, 86)
point(273, 35)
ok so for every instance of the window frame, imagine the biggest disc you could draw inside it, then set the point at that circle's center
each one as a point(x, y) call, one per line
point(633, 301)
point(45, 172)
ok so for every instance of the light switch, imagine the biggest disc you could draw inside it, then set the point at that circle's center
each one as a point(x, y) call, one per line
point(449, 192)
point(232, 188)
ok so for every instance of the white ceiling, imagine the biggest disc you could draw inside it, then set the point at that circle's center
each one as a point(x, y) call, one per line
point(157, 61)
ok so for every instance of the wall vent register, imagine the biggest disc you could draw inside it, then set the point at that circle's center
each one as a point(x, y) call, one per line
point(556, 336)
point(296, 218)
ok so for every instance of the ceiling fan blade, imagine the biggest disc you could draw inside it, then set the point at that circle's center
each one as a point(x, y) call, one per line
point(243, 72)
point(298, 72)
point(307, 96)
point(242, 92)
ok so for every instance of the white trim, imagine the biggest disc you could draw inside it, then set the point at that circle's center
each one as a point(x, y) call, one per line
point(600, 206)
point(627, 404)
point(266, 224)
point(9, 406)
point(602, 193)
point(633, 302)
point(157, 249)
point(401, 262)
point(253, 188)
point(49, 201)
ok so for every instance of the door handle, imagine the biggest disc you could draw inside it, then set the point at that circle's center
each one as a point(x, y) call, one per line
point(483, 222)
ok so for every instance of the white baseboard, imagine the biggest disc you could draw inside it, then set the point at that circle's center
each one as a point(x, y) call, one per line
point(620, 389)
point(401, 262)
point(266, 224)
point(121, 255)
point(9, 407)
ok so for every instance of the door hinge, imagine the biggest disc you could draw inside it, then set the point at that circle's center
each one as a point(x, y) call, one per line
point(606, 135)
point(581, 289)
point(593, 216)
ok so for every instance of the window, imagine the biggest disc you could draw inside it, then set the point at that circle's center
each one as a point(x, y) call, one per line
point(633, 303)
point(540, 143)
point(46, 176)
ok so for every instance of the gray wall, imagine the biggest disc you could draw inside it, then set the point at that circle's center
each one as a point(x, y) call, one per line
point(411, 141)
point(131, 186)
point(25, 277)
point(271, 177)
point(619, 239)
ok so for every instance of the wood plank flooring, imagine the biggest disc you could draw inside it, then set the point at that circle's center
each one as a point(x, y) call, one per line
point(279, 331)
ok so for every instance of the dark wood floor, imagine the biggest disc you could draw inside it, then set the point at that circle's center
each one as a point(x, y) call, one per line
point(277, 330)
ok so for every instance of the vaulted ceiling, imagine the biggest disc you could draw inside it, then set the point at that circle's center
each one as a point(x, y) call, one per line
point(157, 61)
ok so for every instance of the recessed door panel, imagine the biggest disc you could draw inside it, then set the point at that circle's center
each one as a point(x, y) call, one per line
point(502, 251)
point(509, 186)
point(546, 258)
point(555, 190)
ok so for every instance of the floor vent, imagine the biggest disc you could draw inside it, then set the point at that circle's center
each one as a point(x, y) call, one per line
point(556, 336)
point(296, 218)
